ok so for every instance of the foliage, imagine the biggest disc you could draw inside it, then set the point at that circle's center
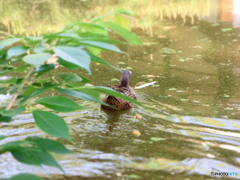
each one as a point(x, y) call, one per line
point(26, 59)
point(25, 176)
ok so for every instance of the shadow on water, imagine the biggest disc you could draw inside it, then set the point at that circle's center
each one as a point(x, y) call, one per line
point(192, 125)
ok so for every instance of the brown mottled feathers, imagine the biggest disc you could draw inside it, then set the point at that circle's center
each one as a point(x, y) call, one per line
point(124, 88)
point(119, 104)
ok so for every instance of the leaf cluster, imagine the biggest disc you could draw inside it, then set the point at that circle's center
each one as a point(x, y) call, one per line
point(29, 64)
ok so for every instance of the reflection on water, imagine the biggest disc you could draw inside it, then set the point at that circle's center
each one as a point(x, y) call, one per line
point(192, 127)
point(168, 144)
point(36, 17)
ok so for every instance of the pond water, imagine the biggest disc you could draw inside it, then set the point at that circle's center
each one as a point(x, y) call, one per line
point(192, 128)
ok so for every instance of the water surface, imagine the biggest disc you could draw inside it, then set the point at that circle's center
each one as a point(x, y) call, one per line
point(192, 127)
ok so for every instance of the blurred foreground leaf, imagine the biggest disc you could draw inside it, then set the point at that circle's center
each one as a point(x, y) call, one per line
point(59, 103)
point(25, 176)
point(51, 124)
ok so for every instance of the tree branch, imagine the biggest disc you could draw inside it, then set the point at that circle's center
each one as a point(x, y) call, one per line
point(19, 90)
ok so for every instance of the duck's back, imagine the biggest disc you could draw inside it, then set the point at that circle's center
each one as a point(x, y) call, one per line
point(119, 104)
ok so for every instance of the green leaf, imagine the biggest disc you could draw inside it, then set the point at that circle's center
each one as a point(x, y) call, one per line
point(89, 26)
point(51, 124)
point(41, 81)
point(27, 155)
point(44, 69)
point(6, 66)
point(25, 176)
point(68, 65)
point(76, 84)
point(94, 50)
point(19, 69)
point(60, 104)
point(68, 35)
point(5, 118)
point(125, 34)
point(111, 92)
point(84, 79)
point(45, 88)
point(33, 39)
point(79, 95)
point(9, 81)
point(124, 11)
point(122, 21)
point(73, 77)
point(3, 90)
point(58, 35)
point(8, 42)
point(89, 35)
point(74, 55)
point(109, 41)
point(97, 59)
point(50, 145)
point(16, 51)
point(91, 92)
point(12, 145)
point(35, 156)
point(14, 112)
point(102, 45)
point(29, 90)
point(39, 49)
point(36, 59)
point(2, 137)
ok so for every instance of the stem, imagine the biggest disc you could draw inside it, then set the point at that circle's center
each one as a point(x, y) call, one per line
point(12, 101)
point(19, 90)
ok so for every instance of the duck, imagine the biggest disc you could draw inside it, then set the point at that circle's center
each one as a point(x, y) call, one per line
point(124, 88)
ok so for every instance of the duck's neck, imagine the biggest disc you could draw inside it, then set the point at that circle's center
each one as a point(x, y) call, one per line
point(124, 81)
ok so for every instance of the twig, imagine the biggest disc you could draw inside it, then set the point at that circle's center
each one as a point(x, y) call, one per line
point(19, 90)
point(12, 101)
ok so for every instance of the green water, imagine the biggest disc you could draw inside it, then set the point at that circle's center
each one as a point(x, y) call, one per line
point(192, 128)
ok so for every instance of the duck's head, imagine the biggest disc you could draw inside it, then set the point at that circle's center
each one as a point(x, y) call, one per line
point(125, 78)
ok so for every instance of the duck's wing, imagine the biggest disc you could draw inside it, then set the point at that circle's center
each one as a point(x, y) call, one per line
point(117, 103)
